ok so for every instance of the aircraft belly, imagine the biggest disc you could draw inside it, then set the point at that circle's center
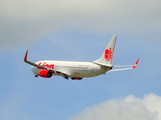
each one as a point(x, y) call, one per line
point(85, 73)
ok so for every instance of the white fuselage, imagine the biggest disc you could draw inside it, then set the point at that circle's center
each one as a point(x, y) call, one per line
point(72, 69)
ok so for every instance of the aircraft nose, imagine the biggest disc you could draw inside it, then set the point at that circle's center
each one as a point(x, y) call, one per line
point(34, 70)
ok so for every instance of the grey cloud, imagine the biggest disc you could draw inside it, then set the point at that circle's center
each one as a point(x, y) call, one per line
point(25, 21)
point(124, 109)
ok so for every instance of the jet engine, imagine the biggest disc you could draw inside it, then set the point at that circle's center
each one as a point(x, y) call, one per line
point(45, 73)
point(76, 78)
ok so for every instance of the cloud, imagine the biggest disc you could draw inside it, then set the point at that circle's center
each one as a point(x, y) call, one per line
point(128, 108)
point(25, 21)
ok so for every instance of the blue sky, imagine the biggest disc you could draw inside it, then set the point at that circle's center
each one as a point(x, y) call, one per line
point(79, 31)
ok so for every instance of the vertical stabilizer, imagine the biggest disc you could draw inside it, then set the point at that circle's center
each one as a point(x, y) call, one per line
point(106, 58)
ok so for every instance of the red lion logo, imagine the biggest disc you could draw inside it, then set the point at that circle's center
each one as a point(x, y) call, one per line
point(108, 54)
point(46, 65)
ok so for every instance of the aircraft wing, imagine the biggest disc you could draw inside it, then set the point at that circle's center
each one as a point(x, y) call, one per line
point(128, 67)
point(42, 67)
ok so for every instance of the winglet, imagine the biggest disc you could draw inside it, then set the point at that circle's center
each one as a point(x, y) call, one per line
point(25, 58)
point(137, 62)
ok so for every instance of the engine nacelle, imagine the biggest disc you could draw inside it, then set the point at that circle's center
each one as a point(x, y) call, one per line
point(45, 73)
point(76, 78)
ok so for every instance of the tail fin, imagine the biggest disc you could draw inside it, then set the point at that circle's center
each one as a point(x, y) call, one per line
point(106, 58)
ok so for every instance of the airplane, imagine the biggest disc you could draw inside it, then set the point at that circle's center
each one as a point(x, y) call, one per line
point(79, 70)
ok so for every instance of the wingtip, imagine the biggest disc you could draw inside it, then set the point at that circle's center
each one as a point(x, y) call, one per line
point(25, 58)
point(136, 63)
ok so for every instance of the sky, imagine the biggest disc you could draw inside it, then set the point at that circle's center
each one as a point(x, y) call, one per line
point(79, 31)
